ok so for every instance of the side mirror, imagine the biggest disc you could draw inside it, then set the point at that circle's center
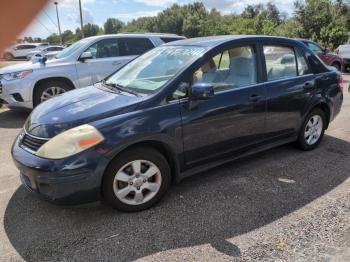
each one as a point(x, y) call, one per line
point(201, 91)
point(84, 56)
point(325, 50)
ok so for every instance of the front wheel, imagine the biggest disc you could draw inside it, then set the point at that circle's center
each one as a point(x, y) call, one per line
point(312, 130)
point(136, 180)
point(49, 89)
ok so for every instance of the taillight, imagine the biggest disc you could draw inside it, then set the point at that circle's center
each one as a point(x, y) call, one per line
point(341, 83)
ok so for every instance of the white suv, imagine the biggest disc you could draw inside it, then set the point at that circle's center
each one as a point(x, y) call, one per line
point(344, 52)
point(21, 50)
point(82, 64)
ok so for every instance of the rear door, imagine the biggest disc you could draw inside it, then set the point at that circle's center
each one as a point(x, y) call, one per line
point(289, 86)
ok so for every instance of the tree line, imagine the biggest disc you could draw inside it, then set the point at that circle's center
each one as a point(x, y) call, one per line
point(324, 21)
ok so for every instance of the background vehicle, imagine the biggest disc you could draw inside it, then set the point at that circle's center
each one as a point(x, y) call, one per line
point(21, 50)
point(326, 56)
point(344, 52)
point(176, 110)
point(42, 51)
point(81, 64)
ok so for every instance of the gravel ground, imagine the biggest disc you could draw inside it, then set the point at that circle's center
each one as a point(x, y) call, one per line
point(280, 205)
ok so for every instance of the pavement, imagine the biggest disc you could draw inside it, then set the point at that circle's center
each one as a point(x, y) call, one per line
point(279, 205)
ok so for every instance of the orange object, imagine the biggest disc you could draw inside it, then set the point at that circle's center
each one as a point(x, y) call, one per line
point(15, 16)
point(89, 141)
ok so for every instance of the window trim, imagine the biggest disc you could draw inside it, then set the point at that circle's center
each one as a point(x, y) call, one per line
point(258, 61)
point(99, 40)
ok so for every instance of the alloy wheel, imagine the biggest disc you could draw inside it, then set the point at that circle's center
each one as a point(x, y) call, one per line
point(313, 129)
point(137, 182)
point(51, 92)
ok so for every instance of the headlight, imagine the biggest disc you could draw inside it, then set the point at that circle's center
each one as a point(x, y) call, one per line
point(70, 142)
point(16, 75)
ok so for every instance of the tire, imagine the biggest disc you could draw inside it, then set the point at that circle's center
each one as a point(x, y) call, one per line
point(337, 66)
point(306, 143)
point(53, 87)
point(135, 184)
point(8, 56)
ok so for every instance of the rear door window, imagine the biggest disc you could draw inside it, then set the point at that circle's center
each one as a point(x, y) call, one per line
point(134, 46)
point(280, 62)
point(21, 47)
point(303, 67)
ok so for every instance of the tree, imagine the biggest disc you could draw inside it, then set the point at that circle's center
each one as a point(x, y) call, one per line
point(113, 26)
point(90, 29)
point(53, 39)
point(67, 35)
point(323, 21)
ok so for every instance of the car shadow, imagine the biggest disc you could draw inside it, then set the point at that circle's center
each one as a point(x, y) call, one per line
point(13, 118)
point(208, 208)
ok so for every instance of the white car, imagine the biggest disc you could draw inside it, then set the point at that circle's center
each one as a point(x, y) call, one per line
point(21, 50)
point(82, 64)
point(41, 52)
point(344, 52)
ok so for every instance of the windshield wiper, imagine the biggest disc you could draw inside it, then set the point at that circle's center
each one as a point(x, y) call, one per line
point(119, 87)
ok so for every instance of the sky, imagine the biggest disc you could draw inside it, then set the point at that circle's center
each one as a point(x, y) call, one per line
point(97, 11)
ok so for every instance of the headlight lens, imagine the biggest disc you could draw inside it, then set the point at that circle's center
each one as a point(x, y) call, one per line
point(70, 142)
point(16, 75)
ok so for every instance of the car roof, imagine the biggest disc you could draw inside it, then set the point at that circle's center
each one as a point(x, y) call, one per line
point(133, 35)
point(212, 41)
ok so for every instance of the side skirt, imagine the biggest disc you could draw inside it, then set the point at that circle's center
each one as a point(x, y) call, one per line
point(255, 150)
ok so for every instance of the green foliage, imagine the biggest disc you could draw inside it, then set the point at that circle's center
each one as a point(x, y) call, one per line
point(53, 39)
point(113, 26)
point(324, 21)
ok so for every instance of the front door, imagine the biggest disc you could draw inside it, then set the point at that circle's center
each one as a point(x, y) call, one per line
point(234, 118)
point(106, 59)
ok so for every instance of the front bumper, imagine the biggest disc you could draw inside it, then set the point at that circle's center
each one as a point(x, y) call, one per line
point(70, 181)
point(17, 93)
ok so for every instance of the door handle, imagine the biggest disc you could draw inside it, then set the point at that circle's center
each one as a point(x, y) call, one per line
point(308, 85)
point(116, 63)
point(255, 98)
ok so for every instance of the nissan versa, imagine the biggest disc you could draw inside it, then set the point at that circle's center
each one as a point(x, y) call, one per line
point(174, 111)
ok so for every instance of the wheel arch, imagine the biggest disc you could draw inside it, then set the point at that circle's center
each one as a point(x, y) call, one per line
point(325, 108)
point(159, 146)
point(58, 78)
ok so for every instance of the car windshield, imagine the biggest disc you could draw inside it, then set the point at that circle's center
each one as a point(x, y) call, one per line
point(71, 49)
point(149, 72)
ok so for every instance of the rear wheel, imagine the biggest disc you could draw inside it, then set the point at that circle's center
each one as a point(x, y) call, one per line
point(49, 89)
point(311, 133)
point(136, 180)
point(8, 56)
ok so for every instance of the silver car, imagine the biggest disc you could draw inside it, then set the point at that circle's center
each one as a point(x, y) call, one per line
point(82, 64)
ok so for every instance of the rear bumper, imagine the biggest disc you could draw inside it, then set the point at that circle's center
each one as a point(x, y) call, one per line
point(70, 181)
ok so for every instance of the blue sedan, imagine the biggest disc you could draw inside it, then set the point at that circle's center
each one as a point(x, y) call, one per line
point(175, 111)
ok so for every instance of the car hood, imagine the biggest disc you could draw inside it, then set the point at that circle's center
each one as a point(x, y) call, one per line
point(32, 66)
point(78, 107)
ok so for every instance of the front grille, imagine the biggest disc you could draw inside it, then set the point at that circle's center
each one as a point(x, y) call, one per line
point(32, 143)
